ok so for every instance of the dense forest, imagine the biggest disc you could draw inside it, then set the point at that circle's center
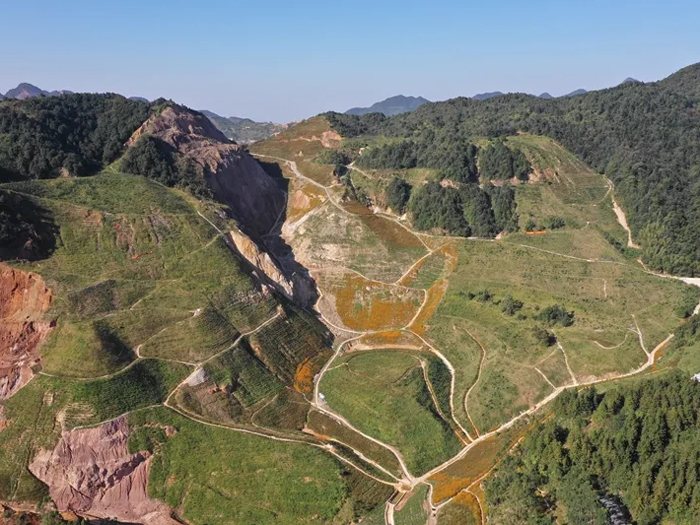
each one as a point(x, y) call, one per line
point(467, 210)
point(456, 160)
point(635, 444)
point(78, 133)
point(644, 137)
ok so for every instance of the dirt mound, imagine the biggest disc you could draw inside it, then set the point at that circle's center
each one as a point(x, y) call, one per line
point(91, 473)
point(23, 299)
point(235, 178)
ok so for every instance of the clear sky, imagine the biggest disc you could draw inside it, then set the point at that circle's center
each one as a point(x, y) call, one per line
point(285, 60)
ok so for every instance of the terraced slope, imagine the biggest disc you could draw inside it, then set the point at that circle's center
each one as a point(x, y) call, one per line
point(493, 315)
point(156, 321)
point(425, 359)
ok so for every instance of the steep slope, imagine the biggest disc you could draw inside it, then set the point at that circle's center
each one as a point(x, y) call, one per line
point(23, 299)
point(235, 178)
point(161, 326)
point(91, 473)
point(391, 106)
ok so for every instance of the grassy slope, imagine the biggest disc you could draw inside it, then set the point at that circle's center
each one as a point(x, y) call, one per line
point(219, 476)
point(384, 394)
point(135, 266)
point(603, 295)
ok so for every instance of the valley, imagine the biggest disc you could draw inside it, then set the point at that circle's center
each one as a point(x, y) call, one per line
point(260, 335)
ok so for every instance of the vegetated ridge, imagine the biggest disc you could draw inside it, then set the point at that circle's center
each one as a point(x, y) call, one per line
point(174, 329)
point(244, 130)
point(657, 158)
point(391, 106)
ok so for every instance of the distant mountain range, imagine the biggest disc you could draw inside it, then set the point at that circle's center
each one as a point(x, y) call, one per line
point(391, 106)
point(25, 90)
point(402, 104)
point(243, 130)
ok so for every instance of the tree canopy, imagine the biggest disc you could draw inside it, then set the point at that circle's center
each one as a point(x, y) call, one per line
point(644, 137)
point(634, 446)
point(79, 133)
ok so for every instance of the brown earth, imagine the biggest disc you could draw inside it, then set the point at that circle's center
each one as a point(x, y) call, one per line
point(23, 299)
point(236, 179)
point(91, 473)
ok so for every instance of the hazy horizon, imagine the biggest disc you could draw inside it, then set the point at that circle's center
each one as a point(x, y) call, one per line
point(280, 63)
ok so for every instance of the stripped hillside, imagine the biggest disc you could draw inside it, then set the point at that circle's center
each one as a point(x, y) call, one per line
point(477, 335)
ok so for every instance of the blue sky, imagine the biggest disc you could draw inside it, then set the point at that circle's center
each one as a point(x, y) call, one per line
point(287, 60)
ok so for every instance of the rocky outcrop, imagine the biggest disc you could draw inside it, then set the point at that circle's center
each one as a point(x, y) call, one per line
point(23, 299)
point(235, 178)
point(91, 473)
point(296, 286)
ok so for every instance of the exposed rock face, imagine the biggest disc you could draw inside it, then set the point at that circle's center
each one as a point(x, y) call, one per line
point(235, 178)
point(23, 299)
point(91, 473)
point(298, 286)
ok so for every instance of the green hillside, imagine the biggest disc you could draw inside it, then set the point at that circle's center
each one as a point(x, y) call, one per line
point(644, 137)
point(146, 291)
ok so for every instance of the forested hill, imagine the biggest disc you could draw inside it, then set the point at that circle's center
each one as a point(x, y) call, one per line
point(74, 134)
point(644, 137)
point(391, 106)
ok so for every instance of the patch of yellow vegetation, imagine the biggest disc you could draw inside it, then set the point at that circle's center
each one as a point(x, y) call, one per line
point(461, 474)
point(390, 339)
point(303, 200)
point(305, 373)
point(304, 140)
point(368, 305)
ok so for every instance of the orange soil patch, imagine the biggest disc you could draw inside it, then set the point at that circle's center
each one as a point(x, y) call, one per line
point(394, 235)
point(303, 200)
point(305, 373)
point(23, 299)
point(467, 470)
point(368, 305)
point(541, 232)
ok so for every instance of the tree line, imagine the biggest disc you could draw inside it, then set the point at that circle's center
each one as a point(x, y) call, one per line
point(632, 449)
point(644, 137)
point(78, 133)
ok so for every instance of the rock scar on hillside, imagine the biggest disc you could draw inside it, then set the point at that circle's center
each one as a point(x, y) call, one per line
point(235, 178)
point(92, 473)
point(23, 299)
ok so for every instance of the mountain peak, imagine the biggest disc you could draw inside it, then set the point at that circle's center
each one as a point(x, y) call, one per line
point(25, 90)
point(486, 96)
point(391, 106)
